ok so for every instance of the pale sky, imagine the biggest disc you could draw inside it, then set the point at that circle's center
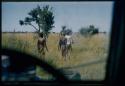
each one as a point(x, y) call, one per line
point(72, 14)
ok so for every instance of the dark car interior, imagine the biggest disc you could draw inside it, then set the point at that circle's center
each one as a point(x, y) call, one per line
point(115, 62)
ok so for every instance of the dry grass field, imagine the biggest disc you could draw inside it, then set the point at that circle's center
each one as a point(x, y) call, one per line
point(87, 58)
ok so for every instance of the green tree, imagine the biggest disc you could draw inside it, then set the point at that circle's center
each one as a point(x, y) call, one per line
point(43, 17)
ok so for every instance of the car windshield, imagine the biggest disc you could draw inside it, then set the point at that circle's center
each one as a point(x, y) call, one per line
point(72, 36)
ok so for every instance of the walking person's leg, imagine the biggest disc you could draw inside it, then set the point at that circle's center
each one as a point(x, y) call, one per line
point(42, 53)
point(62, 52)
point(68, 51)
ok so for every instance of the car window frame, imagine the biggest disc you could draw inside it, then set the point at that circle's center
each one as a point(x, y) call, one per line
point(115, 43)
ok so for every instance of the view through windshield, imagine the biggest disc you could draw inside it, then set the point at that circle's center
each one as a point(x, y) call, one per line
point(72, 36)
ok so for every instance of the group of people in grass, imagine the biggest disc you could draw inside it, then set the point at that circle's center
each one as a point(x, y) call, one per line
point(64, 45)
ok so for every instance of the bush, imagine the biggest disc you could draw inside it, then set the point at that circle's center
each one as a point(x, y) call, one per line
point(88, 31)
point(83, 31)
point(69, 31)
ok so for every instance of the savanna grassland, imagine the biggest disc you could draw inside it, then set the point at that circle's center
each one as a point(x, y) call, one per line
point(87, 58)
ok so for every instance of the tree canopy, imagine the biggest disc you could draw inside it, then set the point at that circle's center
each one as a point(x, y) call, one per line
point(43, 17)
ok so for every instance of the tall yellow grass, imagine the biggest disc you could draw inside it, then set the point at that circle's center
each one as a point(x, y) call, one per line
point(88, 56)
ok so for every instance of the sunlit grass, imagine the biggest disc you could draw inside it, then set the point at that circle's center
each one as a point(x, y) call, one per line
point(85, 50)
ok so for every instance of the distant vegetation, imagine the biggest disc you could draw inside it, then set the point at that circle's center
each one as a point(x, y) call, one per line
point(66, 30)
point(91, 30)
